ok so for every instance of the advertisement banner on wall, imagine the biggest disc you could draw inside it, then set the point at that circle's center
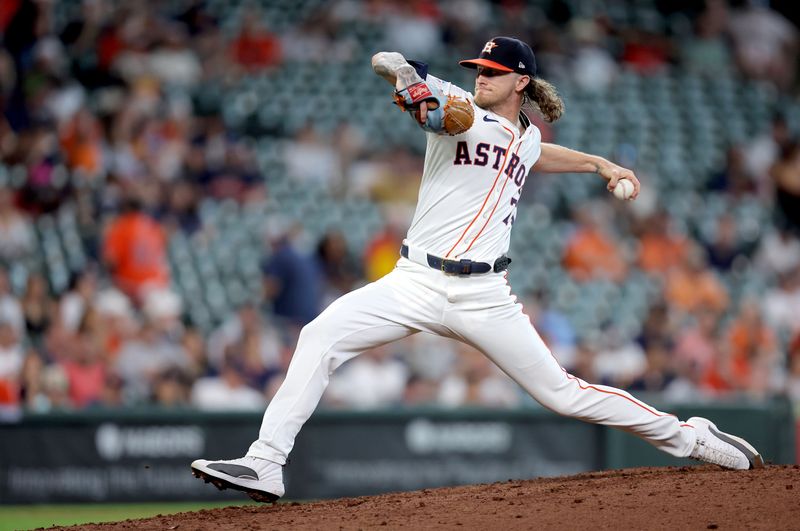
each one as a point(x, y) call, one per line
point(139, 458)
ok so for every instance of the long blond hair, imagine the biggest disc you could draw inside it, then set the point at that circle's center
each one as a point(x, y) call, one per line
point(543, 97)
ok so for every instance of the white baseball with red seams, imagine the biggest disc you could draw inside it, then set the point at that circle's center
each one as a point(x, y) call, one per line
point(467, 203)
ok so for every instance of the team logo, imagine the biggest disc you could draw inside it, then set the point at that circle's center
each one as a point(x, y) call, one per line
point(521, 65)
point(488, 47)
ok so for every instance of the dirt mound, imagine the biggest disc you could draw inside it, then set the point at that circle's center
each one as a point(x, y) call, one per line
point(644, 498)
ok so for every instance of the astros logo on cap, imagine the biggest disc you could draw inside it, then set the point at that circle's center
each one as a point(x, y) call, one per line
point(488, 47)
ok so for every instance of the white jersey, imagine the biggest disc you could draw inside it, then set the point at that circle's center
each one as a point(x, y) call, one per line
point(471, 185)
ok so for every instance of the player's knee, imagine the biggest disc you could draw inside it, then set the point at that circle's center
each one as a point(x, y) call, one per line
point(552, 399)
point(310, 333)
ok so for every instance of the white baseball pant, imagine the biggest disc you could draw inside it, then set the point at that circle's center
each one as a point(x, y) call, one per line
point(479, 310)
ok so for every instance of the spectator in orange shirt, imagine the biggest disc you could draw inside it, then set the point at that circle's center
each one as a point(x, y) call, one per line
point(135, 252)
point(82, 143)
point(692, 286)
point(751, 344)
point(591, 253)
point(660, 248)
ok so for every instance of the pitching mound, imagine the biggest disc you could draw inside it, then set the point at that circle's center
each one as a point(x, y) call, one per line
point(644, 498)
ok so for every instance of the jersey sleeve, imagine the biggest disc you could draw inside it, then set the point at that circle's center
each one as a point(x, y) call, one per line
point(446, 87)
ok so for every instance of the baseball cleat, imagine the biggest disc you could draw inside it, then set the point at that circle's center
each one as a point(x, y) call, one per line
point(260, 479)
point(723, 449)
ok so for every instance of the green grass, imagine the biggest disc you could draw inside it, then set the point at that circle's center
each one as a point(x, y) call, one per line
point(14, 517)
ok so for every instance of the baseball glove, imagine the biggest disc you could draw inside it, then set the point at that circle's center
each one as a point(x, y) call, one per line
point(446, 114)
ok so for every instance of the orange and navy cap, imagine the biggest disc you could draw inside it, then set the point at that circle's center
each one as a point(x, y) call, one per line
point(505, 54)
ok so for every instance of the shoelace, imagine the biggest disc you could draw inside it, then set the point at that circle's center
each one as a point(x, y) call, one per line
point(719, 454)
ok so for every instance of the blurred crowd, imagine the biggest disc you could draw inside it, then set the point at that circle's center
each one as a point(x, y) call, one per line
point(100, 116)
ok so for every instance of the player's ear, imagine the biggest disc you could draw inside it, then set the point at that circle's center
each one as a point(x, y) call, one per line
point(523, 82)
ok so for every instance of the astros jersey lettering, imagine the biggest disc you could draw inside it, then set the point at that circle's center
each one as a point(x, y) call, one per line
point(471, 185)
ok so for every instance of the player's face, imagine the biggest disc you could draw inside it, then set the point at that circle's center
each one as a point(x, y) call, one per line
point(493, 86)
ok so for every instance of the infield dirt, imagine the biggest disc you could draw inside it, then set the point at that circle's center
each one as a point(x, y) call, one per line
point(703, 497)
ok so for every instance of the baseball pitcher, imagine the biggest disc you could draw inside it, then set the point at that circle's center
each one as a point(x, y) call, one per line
point(450, 278)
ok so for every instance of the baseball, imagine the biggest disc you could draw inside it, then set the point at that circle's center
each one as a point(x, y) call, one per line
point(624, 189)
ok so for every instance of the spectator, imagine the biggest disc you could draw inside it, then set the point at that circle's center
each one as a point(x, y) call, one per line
point(779, 251)
point(764, 150)
point(113, 392)
point(659, 326)
point(477, 382)
point(54, 393)
point(292, 279)
point(156, 348)
point(82, 39)
point(248, 339)
point(659, 373)
point(411, 28)
point(593, 67)
point(734, 178)
point(180, 213)
point(10, 308)
point(39, 309)
point(172, 61)
point(590, 252)
point(171, 388)
point(82, 143)
point(78, 299)
point(645, 50)
point(661, 248)
point(583, 367)
point(707, 52)
point(340, 269)
point(134, 250)
point(554, 327)
point(698, 349)
point(398, 179)
point(311, 160)
point(16, 236)
point(725, 248)
point(194, 345)
point(765, 43)
point(255, 48)
point(420, 391)
point(11, 360)
point(786, 176)
point(753, 349)
point(47, 185)
point(692, 286)
point(317, 40)
point(226, 392)
point(618, 359)
point(374, 379)
point(781, 303)
point(84, 365)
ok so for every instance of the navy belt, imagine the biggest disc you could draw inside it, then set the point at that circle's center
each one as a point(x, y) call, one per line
point(461, 267)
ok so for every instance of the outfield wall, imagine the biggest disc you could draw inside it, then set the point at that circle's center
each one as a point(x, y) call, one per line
point(144, 455)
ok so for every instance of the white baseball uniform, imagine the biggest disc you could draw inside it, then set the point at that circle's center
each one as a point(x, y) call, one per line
point(468, 198)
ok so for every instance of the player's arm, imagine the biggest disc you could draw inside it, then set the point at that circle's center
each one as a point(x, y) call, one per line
point(558, 159)
point(394, 68)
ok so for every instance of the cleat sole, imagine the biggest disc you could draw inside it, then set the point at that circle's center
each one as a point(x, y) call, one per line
point(221, 484)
